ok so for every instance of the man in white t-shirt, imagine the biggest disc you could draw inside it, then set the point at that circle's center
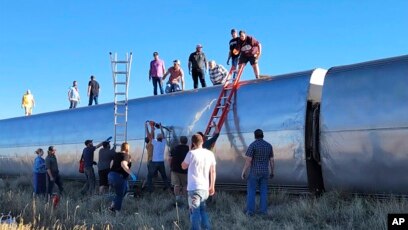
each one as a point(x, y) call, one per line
point(201, 175)
point(157, 164)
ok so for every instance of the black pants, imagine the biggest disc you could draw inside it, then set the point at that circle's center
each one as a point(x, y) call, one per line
point(198, 74)
point(57, 181)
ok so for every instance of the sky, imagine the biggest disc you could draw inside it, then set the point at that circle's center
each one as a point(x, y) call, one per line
point(47, 44)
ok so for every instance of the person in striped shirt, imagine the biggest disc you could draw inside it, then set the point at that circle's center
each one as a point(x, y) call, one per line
point(218, 73)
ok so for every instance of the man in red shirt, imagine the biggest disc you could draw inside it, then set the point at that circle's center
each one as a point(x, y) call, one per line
point(250, 50)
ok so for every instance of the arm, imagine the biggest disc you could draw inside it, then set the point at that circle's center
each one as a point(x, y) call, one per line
point(247, 164)
point(89, 89)
point(259, 50)
point(213, 176)
point(33, 102)
point(272, 165)
point(182, 79)
point(189, 64)
point(150, 71)
point(184, 165)
point(162, 132)
point(98, 145)
point(205, 61)
point(148, 133)
point(125, 167)
point(165, 75)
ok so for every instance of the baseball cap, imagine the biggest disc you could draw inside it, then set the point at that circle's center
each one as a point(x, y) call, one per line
point(88, 142)
point(177, 61)
point(51, 148)
point(199, 46)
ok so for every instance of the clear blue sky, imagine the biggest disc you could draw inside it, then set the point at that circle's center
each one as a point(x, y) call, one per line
point(45, 45)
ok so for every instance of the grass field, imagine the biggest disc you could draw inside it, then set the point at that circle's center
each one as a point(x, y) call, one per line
point(156, 211)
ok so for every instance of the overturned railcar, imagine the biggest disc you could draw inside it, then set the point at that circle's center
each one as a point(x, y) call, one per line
point(346, 134)
point(364, 127)
point(277, 105)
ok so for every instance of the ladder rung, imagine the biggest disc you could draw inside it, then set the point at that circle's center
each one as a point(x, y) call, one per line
point(120, 124)
point(120, 103)
point(120, 114)
point(216, 116)
point(221, 106)
point(120, 93)
point(120, 72)
point(120, 83)
point(120, 62)
point(227, 88)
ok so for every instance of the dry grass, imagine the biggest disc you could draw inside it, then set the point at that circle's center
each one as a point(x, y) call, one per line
point(156, 211)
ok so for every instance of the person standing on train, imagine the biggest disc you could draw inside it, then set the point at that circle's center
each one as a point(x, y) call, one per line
point(73, 95)
point(197, 66)
point(258, 158)
point(93, 91)
point(156, 72)
point(233, 51)
point(104, 162)
point(88, 157)
point(118, 175)
point(39, 171)
point(28, 103)
point(53, 176)
point(250, 51)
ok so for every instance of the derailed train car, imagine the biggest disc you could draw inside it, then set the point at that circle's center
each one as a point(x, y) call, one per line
point(346, 134)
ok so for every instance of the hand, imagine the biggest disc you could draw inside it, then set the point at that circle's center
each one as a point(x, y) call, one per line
point(189, 72)
point(243, 176)
point(133, 176)
point(94, 163)
point(150, 78)
point(211, 191)
point(51, 178)
point(228, 61)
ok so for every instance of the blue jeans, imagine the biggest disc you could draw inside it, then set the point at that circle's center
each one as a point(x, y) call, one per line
point(198, 214)
point(157, 81)
point(235, 65)
point(154, 167)
point(89, 187)
point(93, 98)
point(120, 185)
point(255, 180)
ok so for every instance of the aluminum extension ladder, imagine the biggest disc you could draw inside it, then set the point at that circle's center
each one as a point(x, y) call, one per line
point(223, 104)
point(121, 76)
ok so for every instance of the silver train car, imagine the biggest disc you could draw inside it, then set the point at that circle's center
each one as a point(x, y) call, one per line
point(341, 129)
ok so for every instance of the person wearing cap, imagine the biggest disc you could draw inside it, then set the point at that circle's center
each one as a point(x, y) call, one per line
point(39, 173)
point(73, 95)
point(28, 103)
point(104, 161)
point(197, 66)
point(93, 91)
point(218, 73)
point(250, 51)
point(88, 157)
point(233, 53)
point(176, 77)
point(157, 164)
point(259, 160)
point(53, 176)
point(156, 72)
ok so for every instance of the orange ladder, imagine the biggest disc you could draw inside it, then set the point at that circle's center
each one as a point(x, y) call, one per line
point(222, 107)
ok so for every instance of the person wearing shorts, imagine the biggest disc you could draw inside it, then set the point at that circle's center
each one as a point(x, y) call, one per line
point(250, 51)
point(179, 175)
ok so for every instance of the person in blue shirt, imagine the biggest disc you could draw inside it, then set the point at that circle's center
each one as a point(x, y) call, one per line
point(39, 173)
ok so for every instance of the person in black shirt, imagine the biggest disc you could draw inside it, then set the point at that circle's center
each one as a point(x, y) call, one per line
point(118, 175)
point(197, 66)
point(179, 175)
point(93, 91)
point(233, 50)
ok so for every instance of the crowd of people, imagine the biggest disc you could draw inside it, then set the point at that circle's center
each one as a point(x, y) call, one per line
point(193, 171)
point(242, 49)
